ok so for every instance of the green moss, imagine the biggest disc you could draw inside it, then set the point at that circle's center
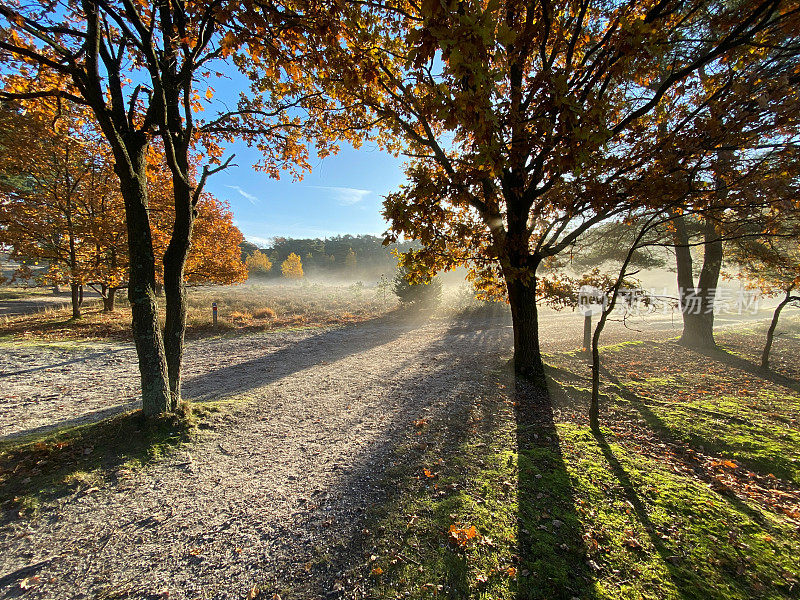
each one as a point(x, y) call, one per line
point(563, 512)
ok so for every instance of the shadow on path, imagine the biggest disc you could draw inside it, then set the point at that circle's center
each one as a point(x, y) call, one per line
point(84, 419)
point(326, 347)
point(443, 396)
point(72, 361)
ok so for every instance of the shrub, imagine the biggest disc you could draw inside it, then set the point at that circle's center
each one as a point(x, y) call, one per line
point(264, 313)
point(416, 294)
point(240, 316)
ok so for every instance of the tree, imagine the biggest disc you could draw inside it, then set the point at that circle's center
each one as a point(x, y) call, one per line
point(258, 263)
point(214, 255)
point(90, 53)
point(59, 204)
point(292, 267)
point(63, 207)
point(525, 121)
point(772, 265)
point(415, 293)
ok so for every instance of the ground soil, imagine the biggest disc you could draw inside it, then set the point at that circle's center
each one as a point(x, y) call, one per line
point(273, 496)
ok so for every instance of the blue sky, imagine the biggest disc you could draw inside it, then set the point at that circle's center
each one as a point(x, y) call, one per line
point(342, 194)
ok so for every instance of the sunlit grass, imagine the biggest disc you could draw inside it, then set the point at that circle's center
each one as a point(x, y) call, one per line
point(677, 497)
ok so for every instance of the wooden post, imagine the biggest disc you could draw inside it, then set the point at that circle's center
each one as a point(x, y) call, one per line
point(214, 312)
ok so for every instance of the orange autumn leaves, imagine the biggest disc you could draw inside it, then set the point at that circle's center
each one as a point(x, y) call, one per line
point(62, 208)
point(461, 536)
point(215, 256)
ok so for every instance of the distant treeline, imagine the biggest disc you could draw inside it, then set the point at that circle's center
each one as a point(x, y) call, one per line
point(345, 256)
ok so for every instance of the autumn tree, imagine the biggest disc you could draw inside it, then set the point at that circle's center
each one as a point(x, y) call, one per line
point(58, 196)
point(91, 53)
point(258, 263)
point(527, 121)
point(292, 267)
point(214, 256)
point(772, 265)
point(744, 137)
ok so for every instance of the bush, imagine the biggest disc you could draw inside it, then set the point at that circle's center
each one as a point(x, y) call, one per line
point(264, 313)
point(416, 294)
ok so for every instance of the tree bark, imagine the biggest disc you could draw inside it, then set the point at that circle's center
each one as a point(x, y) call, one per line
point(525, 318)
point(76, 300)
point(772, 326)
point(697, 302)
point(174, 287)
point(108, 299)
point(141, 287)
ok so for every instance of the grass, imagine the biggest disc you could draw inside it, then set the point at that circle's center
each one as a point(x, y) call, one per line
point(690, 491)
point(22, 293)
point(40, 468)
point(241, 309)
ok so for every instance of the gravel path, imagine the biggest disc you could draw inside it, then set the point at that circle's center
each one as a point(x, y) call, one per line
point(274, 495)
point(43, 385)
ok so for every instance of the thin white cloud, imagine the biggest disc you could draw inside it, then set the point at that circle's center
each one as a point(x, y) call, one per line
point(346, 196)
point(253, 199)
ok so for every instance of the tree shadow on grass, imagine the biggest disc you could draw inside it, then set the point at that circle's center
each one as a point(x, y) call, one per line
point(552, 554)
point(683, 585)
point(683, 451)
point(730, 359)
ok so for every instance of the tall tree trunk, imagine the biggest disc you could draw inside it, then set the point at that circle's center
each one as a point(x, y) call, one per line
point(174, 288)
point(772, 326)
point(76, 300)
point(141, 287)
point(76, 296)
point(525, 318)
point(697, 302)
point(109, 298)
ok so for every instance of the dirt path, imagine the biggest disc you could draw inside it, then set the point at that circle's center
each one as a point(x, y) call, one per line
point(46, 385)
point(275, 494)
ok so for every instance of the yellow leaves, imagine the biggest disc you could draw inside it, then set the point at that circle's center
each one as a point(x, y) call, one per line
point(209, 93)
point(228, 43)
point(292, 267)
point(258, 263)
